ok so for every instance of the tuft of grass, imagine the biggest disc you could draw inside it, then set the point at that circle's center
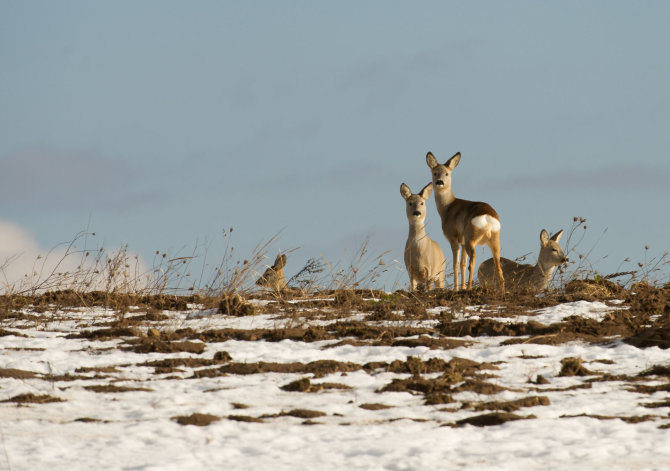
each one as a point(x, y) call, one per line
point(362, 271)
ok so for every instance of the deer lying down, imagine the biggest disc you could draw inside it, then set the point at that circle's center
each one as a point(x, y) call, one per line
point(273, 278)
point(526, 277)
point(424, 258)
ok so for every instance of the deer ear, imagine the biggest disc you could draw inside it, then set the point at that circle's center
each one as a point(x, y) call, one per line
point(556, 237)
point(280, 262)
point(453, 161)
point(405, 191)
point(431, 160)
point(426, 191)
point(544, 238)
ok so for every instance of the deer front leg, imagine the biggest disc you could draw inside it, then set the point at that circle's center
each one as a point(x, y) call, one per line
point(439, 281)
point(455, 252)
point(463, 260)
point(412, 283)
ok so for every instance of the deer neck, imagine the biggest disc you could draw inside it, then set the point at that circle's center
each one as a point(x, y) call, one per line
point(443, 198)
point(417, 230)
point(543, 270)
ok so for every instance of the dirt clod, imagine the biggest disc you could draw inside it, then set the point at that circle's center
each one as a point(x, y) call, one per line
point(234, 305)
point(15, 373)
point(31, 398)
point(573, 367)
point(196, 418)
point(494, 418)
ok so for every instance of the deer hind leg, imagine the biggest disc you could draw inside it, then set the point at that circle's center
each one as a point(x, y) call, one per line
point(472, 256)
point(494, 245)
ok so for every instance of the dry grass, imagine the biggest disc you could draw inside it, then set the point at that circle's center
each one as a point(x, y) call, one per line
point(649, 270)
point(81, 273)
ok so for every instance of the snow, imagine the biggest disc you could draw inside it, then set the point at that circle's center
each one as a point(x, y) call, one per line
point(134, 430)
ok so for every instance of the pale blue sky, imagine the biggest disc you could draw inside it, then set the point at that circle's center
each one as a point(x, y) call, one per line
point(163, 122)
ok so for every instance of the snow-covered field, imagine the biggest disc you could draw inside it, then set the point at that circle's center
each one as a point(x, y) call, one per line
point(116, 406)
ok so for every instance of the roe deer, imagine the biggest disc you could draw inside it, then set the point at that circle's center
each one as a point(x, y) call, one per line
point(424, 258)
point(273, 278)
point(465, 224)
point(526, 277)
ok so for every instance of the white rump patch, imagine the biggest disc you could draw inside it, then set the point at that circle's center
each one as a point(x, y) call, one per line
point(486, 222)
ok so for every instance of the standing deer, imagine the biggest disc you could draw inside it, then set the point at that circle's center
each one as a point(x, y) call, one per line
point(526, 277)
point(465, 224)
point(424, 258)
point(273, 278)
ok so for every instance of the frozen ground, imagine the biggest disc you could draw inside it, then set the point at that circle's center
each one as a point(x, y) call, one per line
point(115, 406)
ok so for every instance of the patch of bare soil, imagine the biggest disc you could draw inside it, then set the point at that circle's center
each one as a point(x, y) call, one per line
point(576, 387)
point(494, 418)
point(120, 302)
point(594, 290)
point(303, 413)
point(305, 385)
point(458, 375)
point(97, 369)
point(573, 367)
point(156, 345)
point(615, 324)
point(201, 420)
point(245, 418)
point(654, 405)
point(66, 377)
point(189, 362)
point(644, 298)
point(635, 419)
point(234, 305)
point(434, 343)
point(374, 406)
point(16, 374)
point(646, 301)
point(31, 398)
point(88, 420)
point(654, 336)
point(321, 368)
point(147, 317)
point(5, 333)
point(657, 370)
point(363, 330)
point(647, 389)
point(105, 334)
point(509, 406)
point(645, 324)
point(111, 388)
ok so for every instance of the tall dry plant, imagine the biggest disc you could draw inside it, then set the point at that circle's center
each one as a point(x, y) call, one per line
point(361, 271)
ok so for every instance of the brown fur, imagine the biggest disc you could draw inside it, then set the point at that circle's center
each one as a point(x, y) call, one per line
point(526, 277)
point(423, 256)
point(273, 278)
point(457, 222)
